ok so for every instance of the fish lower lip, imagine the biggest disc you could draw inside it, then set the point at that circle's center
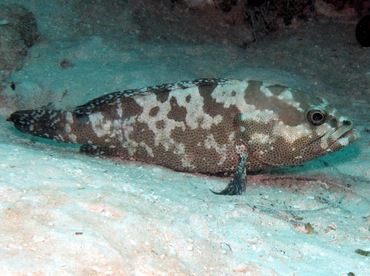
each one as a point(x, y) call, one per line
point(347, 134)
point(349, 137)
point(351, 133)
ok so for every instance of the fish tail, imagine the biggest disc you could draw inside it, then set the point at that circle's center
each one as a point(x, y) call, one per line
point(47, 123)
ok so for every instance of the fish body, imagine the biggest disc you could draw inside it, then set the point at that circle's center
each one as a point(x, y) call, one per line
point(203, 126)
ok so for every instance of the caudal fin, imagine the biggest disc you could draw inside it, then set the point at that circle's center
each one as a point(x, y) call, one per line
point(46, 123)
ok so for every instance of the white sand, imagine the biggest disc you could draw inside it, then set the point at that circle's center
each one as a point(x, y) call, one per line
point(64, 213)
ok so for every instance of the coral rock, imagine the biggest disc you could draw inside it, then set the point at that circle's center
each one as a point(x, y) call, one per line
point(18, 31)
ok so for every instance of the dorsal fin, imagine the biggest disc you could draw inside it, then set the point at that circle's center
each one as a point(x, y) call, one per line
point(95, 104)
point(114, 98)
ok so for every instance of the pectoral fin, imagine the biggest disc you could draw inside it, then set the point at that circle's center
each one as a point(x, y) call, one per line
point(238, 183)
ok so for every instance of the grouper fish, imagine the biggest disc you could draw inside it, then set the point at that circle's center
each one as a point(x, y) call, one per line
point(210, 126)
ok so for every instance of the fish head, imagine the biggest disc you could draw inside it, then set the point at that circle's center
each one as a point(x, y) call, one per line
point(288, 127)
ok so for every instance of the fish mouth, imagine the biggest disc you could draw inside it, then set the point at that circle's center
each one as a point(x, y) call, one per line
point(343, 137)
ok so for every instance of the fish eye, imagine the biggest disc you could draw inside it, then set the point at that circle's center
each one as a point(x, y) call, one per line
point(316, 117)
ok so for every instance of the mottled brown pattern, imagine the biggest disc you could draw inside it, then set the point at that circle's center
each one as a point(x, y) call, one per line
point(204, 160)
point(154, 111)
point(306, 99)
point(160, 124)
point(130, 107)
point(162, 94)
point(275, 153)
point(177, 113)
point(276, 89)
point(84, 133)
point(256, 148)
point(167, 158)
point(211, 107)
point(142, 133)
point(289, 113)
point(209, 139)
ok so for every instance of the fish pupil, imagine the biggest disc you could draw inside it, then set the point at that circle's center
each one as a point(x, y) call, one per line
point(316, 117)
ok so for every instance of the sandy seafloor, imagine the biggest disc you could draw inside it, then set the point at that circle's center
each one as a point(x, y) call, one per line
point(63, 213)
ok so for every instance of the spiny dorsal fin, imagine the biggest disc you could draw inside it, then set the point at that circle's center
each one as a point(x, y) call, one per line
point(113, 98)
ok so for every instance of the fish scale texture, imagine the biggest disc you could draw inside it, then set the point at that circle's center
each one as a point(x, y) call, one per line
point(204, 125)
